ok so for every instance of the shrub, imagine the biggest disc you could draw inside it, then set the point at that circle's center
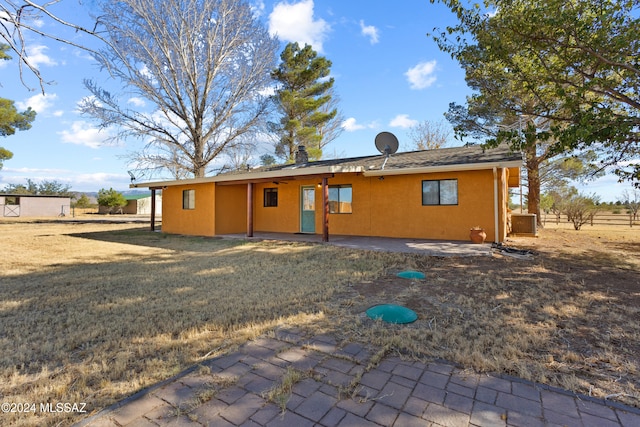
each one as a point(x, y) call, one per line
point(580, 209)
point(111, 199)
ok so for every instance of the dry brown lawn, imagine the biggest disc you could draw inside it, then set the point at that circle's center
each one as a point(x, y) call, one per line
point(568, 317)
point(94, 312)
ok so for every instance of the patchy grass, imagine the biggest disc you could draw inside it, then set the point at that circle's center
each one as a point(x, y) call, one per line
point(570, 317)
point(94, 312)
point(205, 391)
point(281, 391)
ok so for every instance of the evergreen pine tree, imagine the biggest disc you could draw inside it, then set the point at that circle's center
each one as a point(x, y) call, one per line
point(304, 87)
point(10, 118)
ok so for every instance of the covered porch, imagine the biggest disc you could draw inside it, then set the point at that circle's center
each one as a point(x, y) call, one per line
point(322, 209)
point(382, 244)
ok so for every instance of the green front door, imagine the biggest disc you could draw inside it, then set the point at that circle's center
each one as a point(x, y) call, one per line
point(308, 210)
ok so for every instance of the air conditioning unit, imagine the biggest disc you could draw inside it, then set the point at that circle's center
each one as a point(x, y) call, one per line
point(524, 224)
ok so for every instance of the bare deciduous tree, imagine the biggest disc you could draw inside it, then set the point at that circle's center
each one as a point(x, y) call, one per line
point(20, 18)
point(631, 201)
point(429, 135)
point(201, 64)
point(238, 158)
point(331, 129)
point(580, 209)
point(165, 157)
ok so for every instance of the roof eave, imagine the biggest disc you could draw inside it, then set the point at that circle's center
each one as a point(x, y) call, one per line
point(445, 168)
point(258, 176)
point(303, 171)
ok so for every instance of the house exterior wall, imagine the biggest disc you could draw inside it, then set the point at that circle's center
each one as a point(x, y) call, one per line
point(392, 207)
point(146, 207)
point(199, 221)
point(400, 212)
point(130, 208)
point(503, 200)
point(284, 218)
point(142, 206)
point(389, 207)
point(231, 209)
point(34, 206)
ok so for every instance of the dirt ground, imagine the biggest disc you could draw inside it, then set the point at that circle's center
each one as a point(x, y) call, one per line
point(568, 316)
point(111, 308)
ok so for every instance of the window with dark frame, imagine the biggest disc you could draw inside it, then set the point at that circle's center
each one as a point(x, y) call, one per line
point(188, 199)
point(442, 192)
point(340, 199)
point(270, 197)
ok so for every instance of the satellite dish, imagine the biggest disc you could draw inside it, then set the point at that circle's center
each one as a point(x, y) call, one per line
point(386, 143)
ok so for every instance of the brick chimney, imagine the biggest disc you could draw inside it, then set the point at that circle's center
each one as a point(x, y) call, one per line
point(302, 156)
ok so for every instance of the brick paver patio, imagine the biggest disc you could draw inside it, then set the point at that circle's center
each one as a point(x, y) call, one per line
point(336, 385)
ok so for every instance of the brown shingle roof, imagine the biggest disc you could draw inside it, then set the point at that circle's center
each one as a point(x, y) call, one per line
point(467, 157)
point(473, 154)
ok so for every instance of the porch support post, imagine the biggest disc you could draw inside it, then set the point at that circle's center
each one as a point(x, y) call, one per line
point(153, 209)
point(496, 208)
point(250, 209)
point(325, 210)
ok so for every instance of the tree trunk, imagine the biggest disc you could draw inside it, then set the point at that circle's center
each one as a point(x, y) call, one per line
point(533, 179)
point(199, 165)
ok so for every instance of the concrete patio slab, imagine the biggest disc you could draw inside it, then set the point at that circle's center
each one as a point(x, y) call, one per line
point(383, 244)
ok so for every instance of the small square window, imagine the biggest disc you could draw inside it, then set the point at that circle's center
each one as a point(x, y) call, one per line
point(340, 199)
point(270, 197)
point(12, 200)
point(188, 199)
point(440, 192)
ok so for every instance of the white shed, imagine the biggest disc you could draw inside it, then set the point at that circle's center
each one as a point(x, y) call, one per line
point(31, 205)
point(141, 204)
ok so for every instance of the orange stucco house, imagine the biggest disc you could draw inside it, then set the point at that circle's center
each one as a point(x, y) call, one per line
point(432, 194)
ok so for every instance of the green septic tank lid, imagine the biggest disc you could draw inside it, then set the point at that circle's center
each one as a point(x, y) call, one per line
point(392, 313)
point(411, 275)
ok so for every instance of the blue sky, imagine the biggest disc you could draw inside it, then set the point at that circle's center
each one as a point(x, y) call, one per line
point(388, 74)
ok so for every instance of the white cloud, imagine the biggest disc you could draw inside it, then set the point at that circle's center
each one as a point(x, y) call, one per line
point(628, 163)
point(83, 54)
point(4, 15)
point(38, 22)
point(369, 31)
point(83, 133)
point(3, 63)
point(351, 125)
point(267, 91)
point(402, 121)
point(34, 170)
point(20, 175)
point(36, 56)
point(87, 100)
point(422, 75)
point(258, 8)
point(144, 72)
point(136, 102)
point(100, 178)
point(78, 181)
point(40, 103)
point(294, 22)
